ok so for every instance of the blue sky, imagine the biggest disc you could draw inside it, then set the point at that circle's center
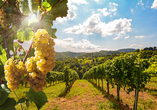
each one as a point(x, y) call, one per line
point(94, 25)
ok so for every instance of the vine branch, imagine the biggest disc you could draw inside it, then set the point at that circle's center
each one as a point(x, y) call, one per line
point(3, 4)
point(6, 46)
point(57, 3)
point(36, 30)
point(31, 43)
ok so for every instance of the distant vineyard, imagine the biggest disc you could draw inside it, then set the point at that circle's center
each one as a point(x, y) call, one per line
point(128, 71)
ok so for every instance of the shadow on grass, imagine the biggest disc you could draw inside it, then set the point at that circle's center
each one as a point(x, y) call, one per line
point(151, 91)
point(64, 93)
point(153, 81)
point(111, 98)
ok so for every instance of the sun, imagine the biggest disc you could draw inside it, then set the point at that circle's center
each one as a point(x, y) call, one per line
point(32, 19)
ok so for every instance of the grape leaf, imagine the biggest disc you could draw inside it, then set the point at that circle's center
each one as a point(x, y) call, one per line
point(3, 56)
point(25, 35)
point(1, 38)
point(5, 88)
point(5, 91)
point(47, 20)
point(51, 31)
point(10, 9)
point(24, 8)
point(33, 5)
point(27, 103)
point(59, 10)
point(52, 2)
point(1, 2)
point(31, 53)
point(39, 98)
point(20, 101)
point(10, 42)
point(46, 5)
point(1, 69)
point(8, 105)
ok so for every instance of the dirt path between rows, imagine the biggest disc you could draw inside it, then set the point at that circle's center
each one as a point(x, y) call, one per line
point(92, 102)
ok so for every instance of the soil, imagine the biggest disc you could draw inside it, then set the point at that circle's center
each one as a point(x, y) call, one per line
point(89, 102)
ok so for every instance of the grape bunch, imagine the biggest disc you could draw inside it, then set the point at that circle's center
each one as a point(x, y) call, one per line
point(3, 20)
point(43, 62)
point(13, 72)
point(44, 51)
point(36, 68)
point(36, 80)
point(34, 77)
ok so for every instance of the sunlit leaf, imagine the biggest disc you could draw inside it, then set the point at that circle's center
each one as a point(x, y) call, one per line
point(25, 35)
point(46, 6)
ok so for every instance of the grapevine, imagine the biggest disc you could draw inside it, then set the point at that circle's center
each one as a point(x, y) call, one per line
point(15, 24)
point(126, 70)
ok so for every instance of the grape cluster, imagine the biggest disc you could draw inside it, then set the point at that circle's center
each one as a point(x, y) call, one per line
point(35, 68)
point(3, 20)
point(44, 51)
point(34, 77)
point(36, 80)
point(43, 61)
point(13, 72)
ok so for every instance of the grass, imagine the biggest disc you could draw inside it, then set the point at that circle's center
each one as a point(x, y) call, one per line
point(107, 105)
point(82, 87)
point(101, 105)
point(51, 92)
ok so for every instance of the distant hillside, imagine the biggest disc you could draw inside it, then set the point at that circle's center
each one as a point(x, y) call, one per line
point(67, 54)
point(99, 54)
point(127, 50)
point(63, 55)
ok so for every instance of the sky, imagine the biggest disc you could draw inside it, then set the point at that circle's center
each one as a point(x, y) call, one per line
point(94, 25)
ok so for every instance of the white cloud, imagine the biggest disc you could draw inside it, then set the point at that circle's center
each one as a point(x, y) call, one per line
point(116, 38)
point(71, 12)
point(113, 7)
point(135, 45)
point(61, 20)
point(139, 36)
point(104, 11)
point(94, 24)
point(126, 37)
point(132, 10)
point(96, 0)
point(77, 2)
point(140, 3)
point(80, 46)
point(154, 5)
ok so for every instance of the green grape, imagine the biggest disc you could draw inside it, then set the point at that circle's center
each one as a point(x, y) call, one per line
point(43, 61)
